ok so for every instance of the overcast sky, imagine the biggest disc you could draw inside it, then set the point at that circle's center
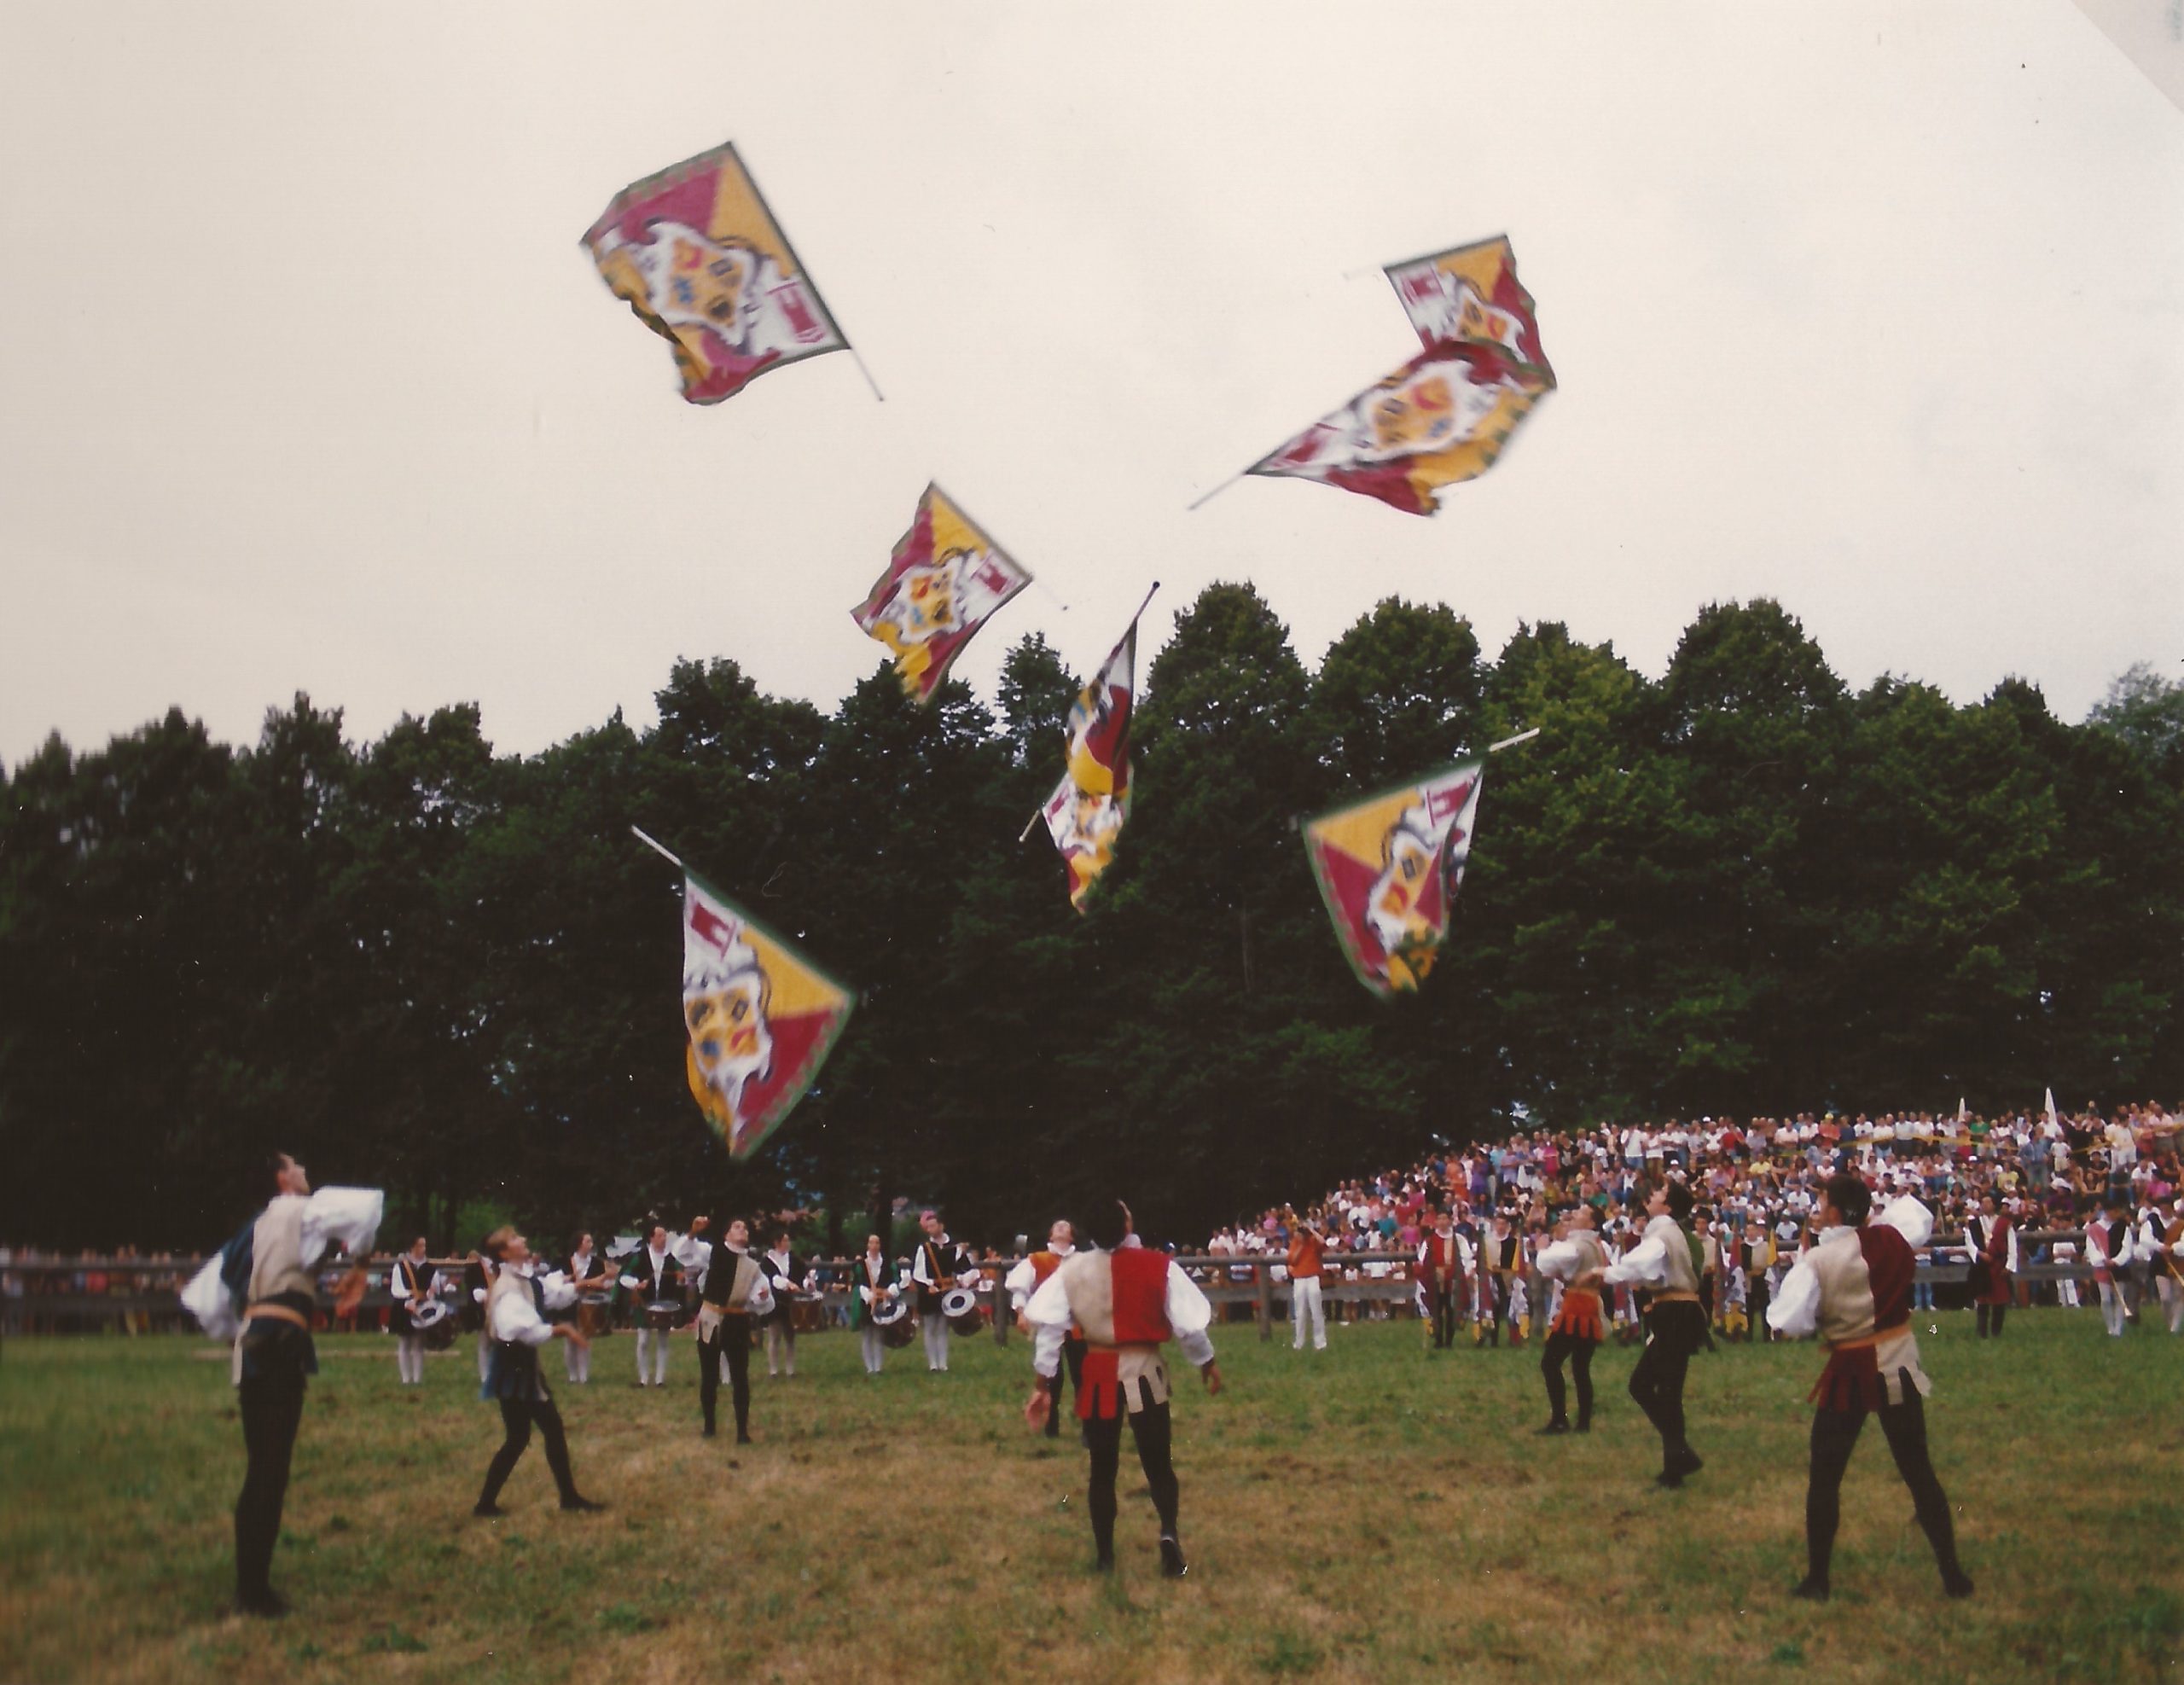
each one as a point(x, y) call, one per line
point(306, 382)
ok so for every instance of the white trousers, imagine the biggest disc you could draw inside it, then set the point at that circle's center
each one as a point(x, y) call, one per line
point(936, 1340)
point(2172, 1301)
point(2111, 1307)
point(652, 1349)
point(579, 1362)
point(781, 1346)
point(875, 1349)
point(1306, 1308)
point(2067, 1292)
point(410, 1358)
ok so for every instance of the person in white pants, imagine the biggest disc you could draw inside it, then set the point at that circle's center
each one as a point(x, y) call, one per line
point(1307, 1247)
point(2065, 1253)
point(410, 1286)
point(872, 1284)
point(654, 1272)
point(934, 1270)
point(2108, 1250)
point(588, 1272)
point(2167, 1259)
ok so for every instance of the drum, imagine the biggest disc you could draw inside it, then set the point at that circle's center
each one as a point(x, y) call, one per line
point(662, 1313)
point(892, 1318)
point(595, 1319)
point(807, 1313)
point(958, 1309)
point(436, 1322)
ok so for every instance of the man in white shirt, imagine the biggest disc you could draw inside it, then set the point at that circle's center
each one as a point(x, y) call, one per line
point(1029, 1275)
point(514, 1320)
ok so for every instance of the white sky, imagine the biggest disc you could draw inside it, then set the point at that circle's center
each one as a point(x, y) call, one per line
point(306, 383)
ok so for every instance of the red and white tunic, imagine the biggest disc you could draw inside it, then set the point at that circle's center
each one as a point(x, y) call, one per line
point(1128, 1302)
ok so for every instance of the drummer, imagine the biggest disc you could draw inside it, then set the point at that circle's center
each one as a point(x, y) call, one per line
point(783, 1269)
point(588, 1274)
point(937, 1262)
point(872, 1284)
point(411, 1281)
point(653, 1277)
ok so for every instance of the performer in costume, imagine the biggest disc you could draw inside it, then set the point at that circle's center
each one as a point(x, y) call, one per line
point(2108, 1249)
point(515, 1309)
point(1854, 1288)
point(934, 1268)
point(588, 1272)
point(261, 1291)
point(1445, 1264)
point(1129, 1300)
point(1577, 1259)
point(1027, 1278)
point(784, 1270)
point(1994, 1252)
point(2169, 1268)
point(411, 1281)
point(733, 1290)
point(872, 1284)
point(2151, 1280)
point(651, 1273)
point(1503, 1258)
point(1666, 1261)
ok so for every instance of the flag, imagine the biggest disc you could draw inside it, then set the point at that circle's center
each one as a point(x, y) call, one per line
point(1441, 418)
point(699, 259)
point(2047, 1106)
point(1388, 868)
point(946, 580)
point(761, 1018)
point(1471, 293)
point(1085, 814)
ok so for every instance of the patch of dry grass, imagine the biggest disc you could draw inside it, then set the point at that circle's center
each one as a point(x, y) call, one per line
point(1365, 1511)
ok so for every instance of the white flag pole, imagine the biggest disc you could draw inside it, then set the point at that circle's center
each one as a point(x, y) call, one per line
point(655, 847)
point(1512, 742)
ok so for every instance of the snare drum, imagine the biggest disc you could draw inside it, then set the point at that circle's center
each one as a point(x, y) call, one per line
point(436, 1322)
point(958, 1309)
point(807, 1313)
point(891, 1316)
point(663, 1314)
point(594, 1320)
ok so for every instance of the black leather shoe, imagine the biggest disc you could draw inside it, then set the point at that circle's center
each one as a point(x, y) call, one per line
point(582, 1506)
point(1958, 1584)
point(487, 1508)
point(1172, 1565)
point(265, 1604)
point(1557, 1426)
point(1812, 1591)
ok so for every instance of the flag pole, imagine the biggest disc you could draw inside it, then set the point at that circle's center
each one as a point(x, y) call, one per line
point(1512, 742)
point(655, 847)
point(1041, 812)
point(868, 380)
point(1223, 486)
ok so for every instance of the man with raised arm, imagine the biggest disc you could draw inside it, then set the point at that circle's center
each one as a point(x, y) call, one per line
point(1666, 1262)
point(1853, 1288)
point(1129, 1300)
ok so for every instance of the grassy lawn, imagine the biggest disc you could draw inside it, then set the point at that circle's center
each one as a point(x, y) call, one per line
point(1365, 1512)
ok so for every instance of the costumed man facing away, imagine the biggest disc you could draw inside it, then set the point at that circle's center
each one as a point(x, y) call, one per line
point(934, 1268)
point(1993, 1250)
point(411, 1283)
point(515, 1317)
point(653, 1276)
point(872, 1284)
point(1027, 1278)
point(1854, 1289)
point(588, 1274)
point(261, 1290)
point(734, 1291)
point(1444, 1262)
point(1129, 1300)
point(784, 1270)
point(1577, 1260)
point(1666, 1260)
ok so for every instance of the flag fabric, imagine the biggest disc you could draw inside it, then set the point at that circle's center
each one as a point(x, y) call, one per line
point(698, 256)
point(762, 1018)
point(2048, 1107)
point(946, 580)
point(1388, 868)
point(1085, 814)
point(1472, 293)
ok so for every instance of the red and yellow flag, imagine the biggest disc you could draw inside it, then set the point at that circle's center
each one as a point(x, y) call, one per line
point(699, 257)
point(761, 1019)
point(1388, 868)
point(1085, 814)
point(946, 580)
point(1472, 293)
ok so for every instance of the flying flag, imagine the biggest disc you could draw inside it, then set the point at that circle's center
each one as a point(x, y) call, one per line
point(946, 580)
point(699, 259)
point(1388, 868)
point(1085, 814)
point(1471, 293)
point(762, 1018)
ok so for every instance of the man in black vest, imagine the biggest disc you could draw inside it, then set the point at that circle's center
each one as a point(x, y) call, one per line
point(934, 1270)
point(784, 1275)
point(734, 1291)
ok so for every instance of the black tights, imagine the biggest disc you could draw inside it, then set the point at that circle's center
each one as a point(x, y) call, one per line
point(1674, 1330)
point(731, 1340)
point(1445, 1317)
point(272, 1409)
point(1150, 1428)
point(1072, 1351)
point(1580, 1354)
point(1996, 1321)
point(517, 1415)
point(1834, 1436)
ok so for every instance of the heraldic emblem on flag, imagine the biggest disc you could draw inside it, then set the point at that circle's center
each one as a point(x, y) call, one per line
point(698, 256)
point(1445, 416)
point(946, 580)
point(1388, 868)
point(1085, 814)
point(762, 1018)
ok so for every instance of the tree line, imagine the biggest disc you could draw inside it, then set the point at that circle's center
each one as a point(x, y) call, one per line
point(1744, 888)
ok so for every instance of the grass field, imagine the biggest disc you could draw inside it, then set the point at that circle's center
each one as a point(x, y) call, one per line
point(1363, 1513)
